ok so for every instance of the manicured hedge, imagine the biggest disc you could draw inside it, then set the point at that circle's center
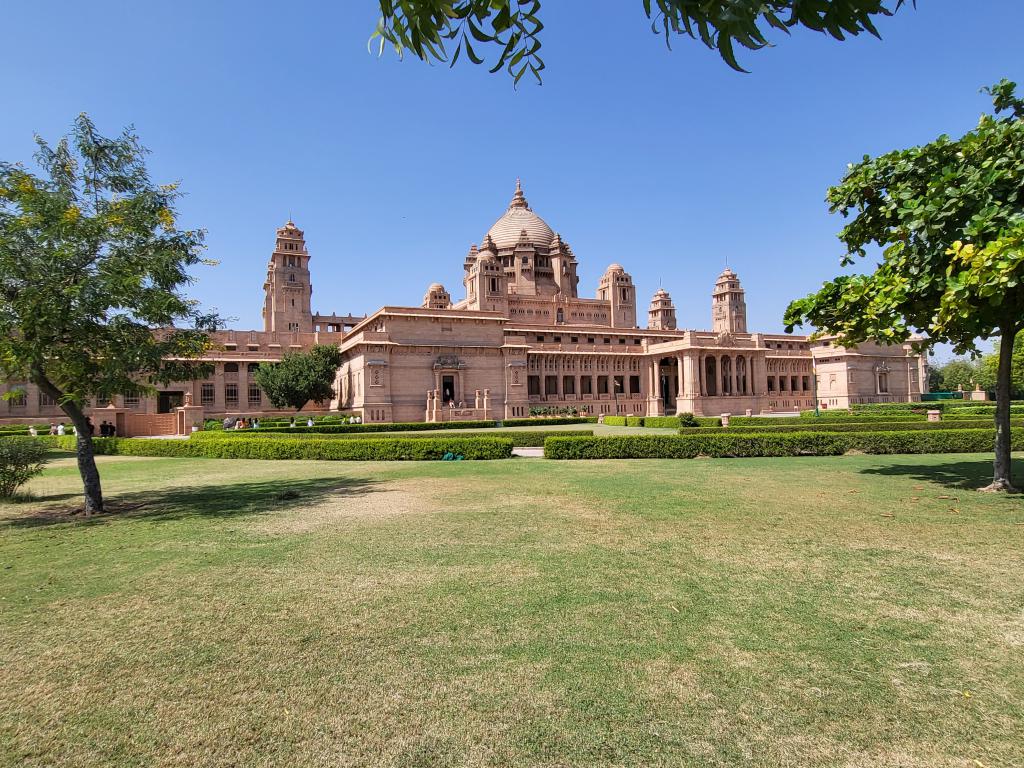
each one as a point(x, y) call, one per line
point(520, 439)
point(853, 426)
point(548, 421)
point(327, 450)
point(671, 447)
point(832, 416)
point(670, 422)
point(786, 444)
point(946, 406)
point(398, 426)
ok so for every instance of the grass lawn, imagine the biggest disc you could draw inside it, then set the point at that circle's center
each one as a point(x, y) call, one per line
point(853, 611)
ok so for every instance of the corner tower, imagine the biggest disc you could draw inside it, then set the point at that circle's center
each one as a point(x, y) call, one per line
point(661, 315)
point(728, 305)
point(288, 288)
point(616, 287)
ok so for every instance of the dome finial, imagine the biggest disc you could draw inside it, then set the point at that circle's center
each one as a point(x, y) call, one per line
point(519, 199)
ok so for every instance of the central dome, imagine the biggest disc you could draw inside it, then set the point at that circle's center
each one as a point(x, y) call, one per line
point(506, 230)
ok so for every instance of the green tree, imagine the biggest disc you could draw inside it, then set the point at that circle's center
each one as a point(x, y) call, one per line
point(91, 271)
point(949, 217)
point(300, 377)
point(440, 30)
point(988, 369)
point(959, 372)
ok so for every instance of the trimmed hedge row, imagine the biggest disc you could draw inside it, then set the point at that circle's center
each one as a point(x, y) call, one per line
point(548, 421)
point(670, 422)
point(671, 447)
point(787, 444)
point(414, 426)
point(937, 405)
point(858, 426)
point(520, 439)
point(392, 449)
point(831, 416)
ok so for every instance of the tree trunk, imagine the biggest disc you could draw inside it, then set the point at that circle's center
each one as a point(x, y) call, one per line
point(86, 460)
point(1001, 472)
point(83, 445)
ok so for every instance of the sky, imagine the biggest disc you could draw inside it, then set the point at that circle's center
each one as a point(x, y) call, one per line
point(666, 161)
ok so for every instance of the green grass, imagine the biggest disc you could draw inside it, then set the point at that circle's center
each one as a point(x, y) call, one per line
point(849, 611)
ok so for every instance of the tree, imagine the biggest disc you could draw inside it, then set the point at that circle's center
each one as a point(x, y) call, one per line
point(949, 217)
point(300, 377)
point(91, 271)
point(988, 369)
point(429, 28)
point(959, 372)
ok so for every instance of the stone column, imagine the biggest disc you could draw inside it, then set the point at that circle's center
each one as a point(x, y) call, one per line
point(680, 384)
point(558, 378)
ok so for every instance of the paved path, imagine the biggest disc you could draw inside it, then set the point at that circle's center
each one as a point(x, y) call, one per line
point(529, 453)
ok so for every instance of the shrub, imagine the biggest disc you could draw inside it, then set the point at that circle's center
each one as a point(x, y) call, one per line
point(21, 458)
point(688, 447)
point(786, 444)
point(520, 439)
point(540, 422)
point(390, 449)
point(662, 421)
point(852, 426)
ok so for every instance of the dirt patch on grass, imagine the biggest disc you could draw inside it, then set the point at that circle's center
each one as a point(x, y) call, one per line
point(387, 500)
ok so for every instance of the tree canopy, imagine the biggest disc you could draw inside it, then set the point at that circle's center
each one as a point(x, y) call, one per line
point(441, 30)
point(92, 267)
point(949, 218)
point(300, 377)
point(982, 371)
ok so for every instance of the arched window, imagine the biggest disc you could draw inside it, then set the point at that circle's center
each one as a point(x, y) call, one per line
point(710, 376)
point(560, 316)
point(741, 375)
point(726, 375)
point(230, 367)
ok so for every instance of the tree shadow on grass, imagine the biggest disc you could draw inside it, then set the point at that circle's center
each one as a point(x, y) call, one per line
point(220, 501)
point(962, 475)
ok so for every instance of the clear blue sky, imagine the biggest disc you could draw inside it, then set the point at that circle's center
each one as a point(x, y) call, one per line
point(666, 161)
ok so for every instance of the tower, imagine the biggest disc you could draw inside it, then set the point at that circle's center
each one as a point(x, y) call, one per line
point(485, 281)
point(437, 297)
point(728, 305)
point(616, 287)
point(661, 316)
point(288, 288)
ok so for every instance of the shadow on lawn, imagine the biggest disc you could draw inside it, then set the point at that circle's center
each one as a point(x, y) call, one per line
point(251, 498)
point(965, 475)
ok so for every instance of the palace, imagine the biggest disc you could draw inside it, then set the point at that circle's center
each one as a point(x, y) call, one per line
point(522, 338)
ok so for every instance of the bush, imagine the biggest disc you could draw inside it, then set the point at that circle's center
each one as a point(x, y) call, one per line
point(786, 444)
point(662, 421)
point(688, 447)
point(410, 426)
point(21, 458)
point(540, 422)
point(390, 449)
point(520, 439)
point(853, 426)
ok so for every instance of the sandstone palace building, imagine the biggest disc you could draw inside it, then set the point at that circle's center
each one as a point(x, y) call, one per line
point(522, 338)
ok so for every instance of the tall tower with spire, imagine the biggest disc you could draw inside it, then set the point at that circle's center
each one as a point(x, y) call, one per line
point(728, 305)
point(288, 288)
